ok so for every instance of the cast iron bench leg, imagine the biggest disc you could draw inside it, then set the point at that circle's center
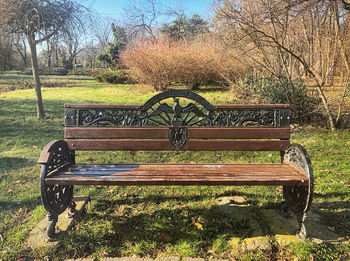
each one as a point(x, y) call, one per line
point(56, 198)
point(298, 199)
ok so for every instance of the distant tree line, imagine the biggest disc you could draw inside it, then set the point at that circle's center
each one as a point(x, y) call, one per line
point(287, 41)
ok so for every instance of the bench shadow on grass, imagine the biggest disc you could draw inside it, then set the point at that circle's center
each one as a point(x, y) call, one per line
point(113, 224)
point(155, 231)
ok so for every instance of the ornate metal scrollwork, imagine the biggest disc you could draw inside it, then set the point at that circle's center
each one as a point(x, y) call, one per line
point(177, 108)
point(298, 199)
point(55, 198)
point(109, 117)
point(245, 118)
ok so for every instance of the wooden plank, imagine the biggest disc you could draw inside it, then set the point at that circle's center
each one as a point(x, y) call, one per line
point(180, 174)
point(231, 106)
point(239, 133)
point(101, 106)
point(162, 133)
point(165, 182)
point(116, 133)
point(253, 106)
point(195, 145)
point(185, 170)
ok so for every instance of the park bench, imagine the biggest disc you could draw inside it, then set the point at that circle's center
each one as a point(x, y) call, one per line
point(175, 120)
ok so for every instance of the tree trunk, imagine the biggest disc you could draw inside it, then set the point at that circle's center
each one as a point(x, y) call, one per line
point(35, 68)
point(326, 108)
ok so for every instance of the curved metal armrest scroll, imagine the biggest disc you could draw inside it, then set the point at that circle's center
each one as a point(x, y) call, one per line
point(55, 154)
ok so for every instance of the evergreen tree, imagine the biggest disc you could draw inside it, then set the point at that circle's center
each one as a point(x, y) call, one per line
point(184, 27)
point(111, 53)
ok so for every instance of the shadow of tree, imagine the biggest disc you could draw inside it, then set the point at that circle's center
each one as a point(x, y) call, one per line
point(12, 163)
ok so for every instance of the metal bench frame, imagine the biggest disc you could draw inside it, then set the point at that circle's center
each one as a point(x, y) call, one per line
point(174, 120)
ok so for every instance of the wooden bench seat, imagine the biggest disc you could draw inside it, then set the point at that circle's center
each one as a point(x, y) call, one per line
point(176, 120)
point(179, 174)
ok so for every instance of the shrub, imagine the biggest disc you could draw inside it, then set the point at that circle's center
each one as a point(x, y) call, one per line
point(45, 71)
point(165, 63)
point(115, 77)
point(96, 71)
point(80, 71)
point(269, 90)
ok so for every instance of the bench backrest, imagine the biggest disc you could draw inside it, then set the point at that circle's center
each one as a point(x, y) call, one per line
point(177, 120)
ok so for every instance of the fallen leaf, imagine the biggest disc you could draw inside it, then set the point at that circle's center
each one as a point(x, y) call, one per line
point(198, 225)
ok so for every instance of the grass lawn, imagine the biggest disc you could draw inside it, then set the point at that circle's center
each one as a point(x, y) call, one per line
point(150, 221)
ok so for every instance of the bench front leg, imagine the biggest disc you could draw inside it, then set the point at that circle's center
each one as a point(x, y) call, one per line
point(55, 198)
point(298, 199)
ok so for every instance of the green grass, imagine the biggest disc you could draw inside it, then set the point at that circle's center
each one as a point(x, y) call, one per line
point(151, 221)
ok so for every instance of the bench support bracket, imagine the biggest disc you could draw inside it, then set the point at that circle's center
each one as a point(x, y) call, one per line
point(298, 198)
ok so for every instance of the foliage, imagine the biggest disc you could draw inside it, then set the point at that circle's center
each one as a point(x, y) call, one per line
point(46, 71)
point(81, 71)
point(291, 39)
point(38, 21)
point(165, 63)
point(110, 54)
point(270, 90)
point(184, 27)
point(114, 76)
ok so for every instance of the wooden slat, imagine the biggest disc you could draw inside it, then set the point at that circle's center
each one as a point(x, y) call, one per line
point(116, 133)
point(125, 106)
point(195, 145)
point(253, 106)
point(102, 106)
point(180, 174)
point(239, 133)
point(162, 133)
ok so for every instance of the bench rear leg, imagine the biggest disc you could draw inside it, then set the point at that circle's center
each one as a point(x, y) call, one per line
point(298, 198)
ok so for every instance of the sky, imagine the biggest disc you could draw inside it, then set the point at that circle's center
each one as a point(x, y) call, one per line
point(114, 8)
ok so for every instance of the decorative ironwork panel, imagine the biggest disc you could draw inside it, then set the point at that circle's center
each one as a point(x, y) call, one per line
point(109, 117)
point(177, 108)
point(246, 117)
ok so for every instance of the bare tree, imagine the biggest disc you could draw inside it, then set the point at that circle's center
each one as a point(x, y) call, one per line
point(71, 45)
point(102, 30)
point(88, 54)
point(38, 20)
point(6, 50)
point(20, 44)
point(141, 17)
point(290, 38)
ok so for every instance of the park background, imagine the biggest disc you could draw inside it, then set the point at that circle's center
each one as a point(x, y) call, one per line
point(230, 52)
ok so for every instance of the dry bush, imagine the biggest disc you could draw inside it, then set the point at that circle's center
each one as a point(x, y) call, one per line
point(191, 63)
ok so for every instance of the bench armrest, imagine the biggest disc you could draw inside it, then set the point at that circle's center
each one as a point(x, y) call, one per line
point(56, 153)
